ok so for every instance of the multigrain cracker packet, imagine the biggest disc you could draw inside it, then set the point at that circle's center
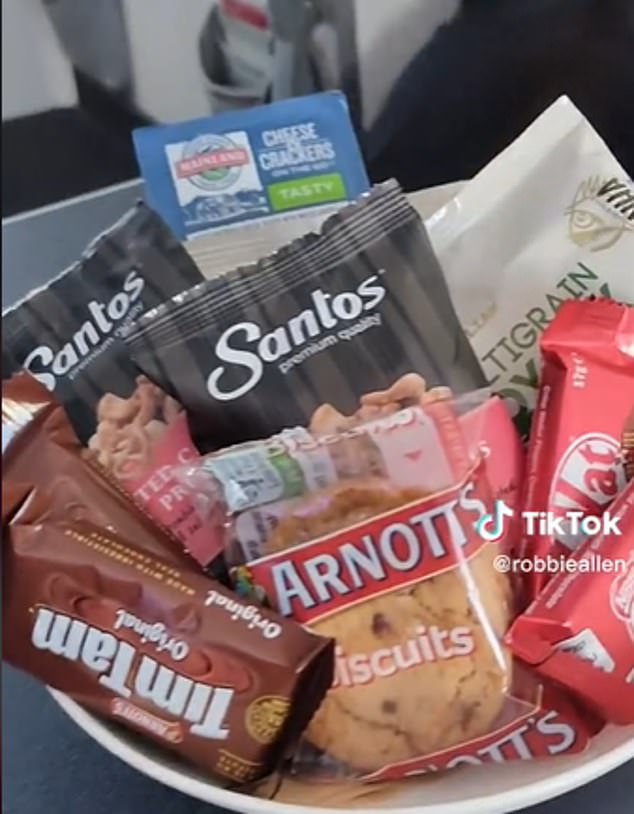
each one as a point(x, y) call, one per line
point(67, 334)
point(550, 219)
point(388, 560)
point(360, 308)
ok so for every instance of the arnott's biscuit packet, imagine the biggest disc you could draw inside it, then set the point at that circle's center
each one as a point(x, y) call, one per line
point(387, 560)
point(68, 336)
point(155, 647)
point(325, 320)
point(549, 219)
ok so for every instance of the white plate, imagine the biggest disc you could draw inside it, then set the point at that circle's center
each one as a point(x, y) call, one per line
point(485, 790)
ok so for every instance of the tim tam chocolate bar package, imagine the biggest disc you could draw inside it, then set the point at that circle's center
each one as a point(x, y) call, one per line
point(325, 320)
point(160, 649)
point(68, 336)
point(40, 448)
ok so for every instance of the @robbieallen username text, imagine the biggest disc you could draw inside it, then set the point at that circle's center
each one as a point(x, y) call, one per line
point(588, 564)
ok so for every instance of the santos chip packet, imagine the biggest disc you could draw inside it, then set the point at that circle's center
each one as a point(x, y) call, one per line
point(333, 321)
point(67, 334)
point(249, 166)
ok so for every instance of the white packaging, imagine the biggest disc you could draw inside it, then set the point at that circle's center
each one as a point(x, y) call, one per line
point(535, 227)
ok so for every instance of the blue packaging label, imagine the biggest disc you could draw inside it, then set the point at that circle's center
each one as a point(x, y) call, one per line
point(250, 165)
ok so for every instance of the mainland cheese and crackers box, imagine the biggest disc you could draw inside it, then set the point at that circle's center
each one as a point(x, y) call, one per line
point(352, 499)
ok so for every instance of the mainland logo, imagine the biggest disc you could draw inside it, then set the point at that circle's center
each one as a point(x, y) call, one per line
point(212, 162)
point(601, 213)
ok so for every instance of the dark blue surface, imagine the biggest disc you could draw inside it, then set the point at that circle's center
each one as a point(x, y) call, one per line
point(48, 765)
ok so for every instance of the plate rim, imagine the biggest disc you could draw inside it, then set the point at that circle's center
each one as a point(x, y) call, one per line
point(495, 803)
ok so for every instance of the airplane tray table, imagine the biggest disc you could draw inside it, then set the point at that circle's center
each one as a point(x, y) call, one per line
point(48, 764)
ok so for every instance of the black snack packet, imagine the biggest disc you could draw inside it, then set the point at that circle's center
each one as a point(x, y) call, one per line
point(67, 334)
point(324, 321)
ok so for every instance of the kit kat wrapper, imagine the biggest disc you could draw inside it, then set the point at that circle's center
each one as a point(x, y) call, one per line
point(579, 632)
point(574, 457)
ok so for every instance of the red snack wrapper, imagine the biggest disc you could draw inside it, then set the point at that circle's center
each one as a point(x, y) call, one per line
point(579, 632)
point(257, 479)
point(586, 392)
point(159, 649)
point(488, 426)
